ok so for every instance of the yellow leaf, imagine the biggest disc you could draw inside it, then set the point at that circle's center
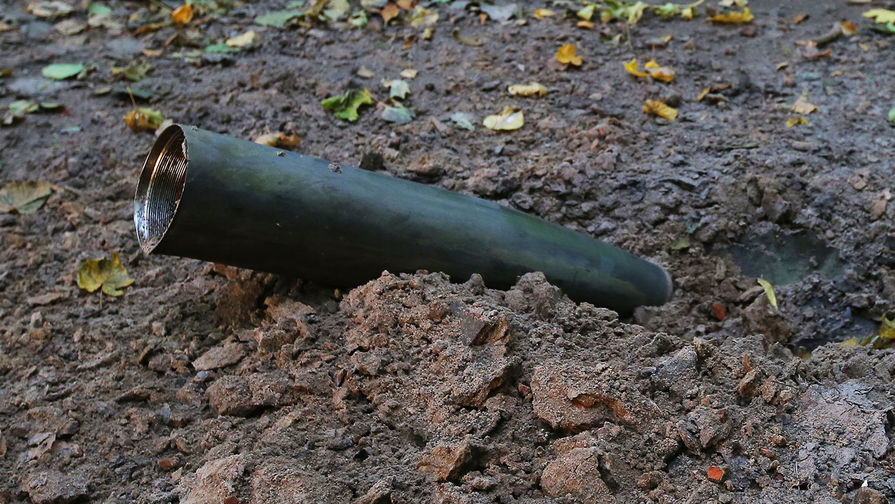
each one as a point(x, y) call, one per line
point(703, 93)
point(279, 140)
point(542, 13)
point(144, 119)
point(769, 292)
point(587, 12)
point(530, 89)
point(508, 120)
point(658, 108)
point(733, 17)
point(802, 106)
point(246, 39)
point(634, 69)
point(409, 73)
point(182, 15)
point(659, 73)
point(883, 16)
point(795, 121)
point(587, 25)
point(107, 273)
point(688, 13)
point(567, 55)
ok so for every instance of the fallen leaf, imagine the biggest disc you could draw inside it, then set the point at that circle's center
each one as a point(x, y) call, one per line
point(587, 25)
point(719, 310)
point(24, 197)
point(106, 273)
point(681, 243)
point(70, 27)
point(389, 12)
point(246, 39)
point(462, 120)
point(530, 89)
point(144, 119)
point(802, 106)
point(884, 338)
point(509, 119)
point(668, 10)
point(358, 19)
point(346, 105)
point(769, 292)
point(405, 4)
point(892, 116)
point(733, 17)
point(848, 28)
point(715, 474)
point(399, 115)
point(796, 121)
point(133, 72)
point(221, 49)
point(799, 18)
point(182, 15)
point(499, 13)
point(659, 73)
point(655, 107)
point(398, 89)
point(409, 73)
point(365, 72)
point(49, 9)
point(542, 13)
point(23, 107)
point(279, 140)
point(62, 71)
point(277, 19)
point(422, 16)
point(567, 55)
point(463, 39)
point(882, 16)
point(633, 68)
point(586, 12)
point(335, 10)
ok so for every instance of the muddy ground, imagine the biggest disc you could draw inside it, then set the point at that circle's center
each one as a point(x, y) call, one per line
point(206, 384)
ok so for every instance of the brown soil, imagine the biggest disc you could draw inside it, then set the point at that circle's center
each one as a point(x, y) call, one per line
point(205, 384)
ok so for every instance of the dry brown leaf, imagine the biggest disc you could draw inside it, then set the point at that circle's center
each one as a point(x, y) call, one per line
point(802, 106)
point(389, 12)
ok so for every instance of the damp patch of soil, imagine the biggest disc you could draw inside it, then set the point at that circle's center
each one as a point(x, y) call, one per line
point(208, 384)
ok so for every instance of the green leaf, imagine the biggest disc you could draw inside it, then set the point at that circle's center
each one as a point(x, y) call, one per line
point(24, 197)
point(106, 273)
point(400, 115)
point(61, 71)
point(680, 244)
point(133, 72)
point(221, 49)
point(277, 19)
point(358, 19)
point(337, 9)
point(892, 116)
point(99, 10)
point(345, 106)
point(51, 106)
point(398, 89)
point(668, 10)
point(462, 120)
point(23, 107)
point(769, 292)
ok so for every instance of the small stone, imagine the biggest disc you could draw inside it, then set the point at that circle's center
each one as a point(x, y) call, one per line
point(219, 357)
point(168, 463)
point(230, 395)
point(576, 398)
point(748, 386)
point(380, 493)
point(215, 481)
point(448, 461)
point(576, 472)
point(53, 487)
point(867, 495)
point(478, 327)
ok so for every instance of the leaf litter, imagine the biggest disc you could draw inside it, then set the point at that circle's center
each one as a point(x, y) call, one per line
point(106, 273)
